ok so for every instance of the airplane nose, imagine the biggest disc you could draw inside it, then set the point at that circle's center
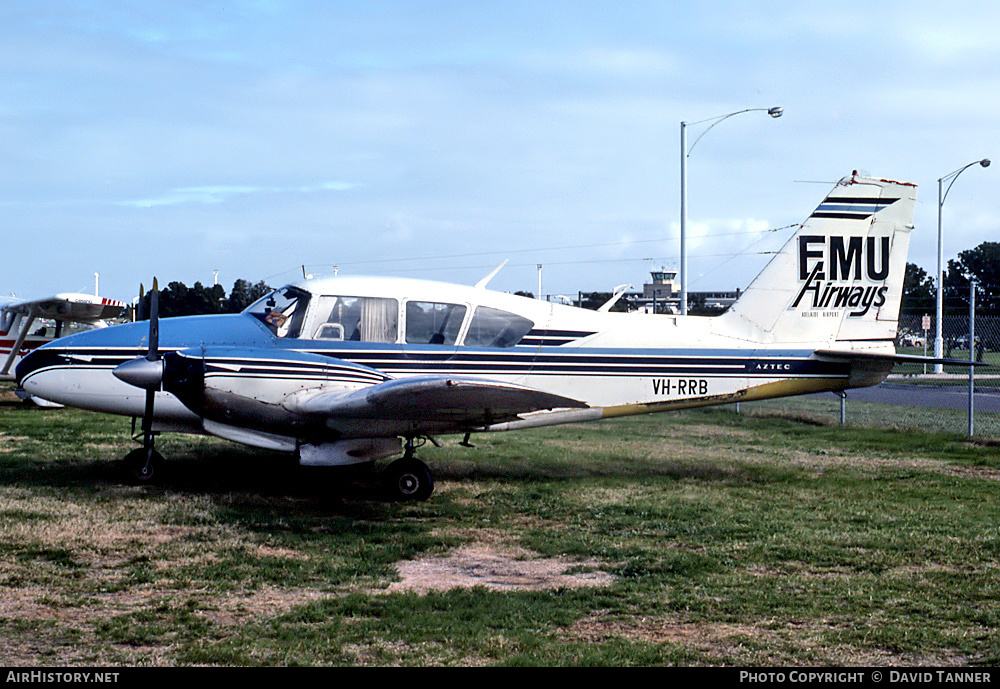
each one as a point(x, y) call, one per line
point(22, 369)
point(41, 374)
point(35, 361)
point(141, 372)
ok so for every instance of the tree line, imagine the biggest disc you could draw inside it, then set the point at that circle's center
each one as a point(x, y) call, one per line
point(177, 299)
point(981, 264)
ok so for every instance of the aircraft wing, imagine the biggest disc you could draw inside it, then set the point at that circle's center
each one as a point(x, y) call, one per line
point(83, 308)
point(472, 401)
point(69, 307)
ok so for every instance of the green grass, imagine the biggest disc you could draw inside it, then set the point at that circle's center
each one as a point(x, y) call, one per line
point(772, 537)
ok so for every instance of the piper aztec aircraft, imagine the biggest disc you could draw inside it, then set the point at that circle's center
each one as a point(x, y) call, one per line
point(350, 370)
point(17, 317)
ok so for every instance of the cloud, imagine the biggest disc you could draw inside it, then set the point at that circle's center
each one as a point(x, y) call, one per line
point(222, 193)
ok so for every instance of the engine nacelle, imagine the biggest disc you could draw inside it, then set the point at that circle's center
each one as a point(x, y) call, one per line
point(246, 388)
point(347, 452)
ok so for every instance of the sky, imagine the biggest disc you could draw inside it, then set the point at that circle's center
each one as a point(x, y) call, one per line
point(436, 139)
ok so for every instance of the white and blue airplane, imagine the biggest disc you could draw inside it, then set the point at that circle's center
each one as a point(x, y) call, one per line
point(351, 370)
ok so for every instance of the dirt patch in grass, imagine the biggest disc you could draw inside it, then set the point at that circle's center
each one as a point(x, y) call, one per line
point(819, 462)
point(7, 395)
point(496, 567)
point(264, 603)
point(9, 443)
point(600, 627)
point(752, 644)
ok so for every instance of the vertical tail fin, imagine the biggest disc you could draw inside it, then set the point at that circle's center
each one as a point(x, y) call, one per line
point(840, 277)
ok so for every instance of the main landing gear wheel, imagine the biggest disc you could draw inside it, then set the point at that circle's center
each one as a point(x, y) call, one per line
point(408, 479)
point(142, 467)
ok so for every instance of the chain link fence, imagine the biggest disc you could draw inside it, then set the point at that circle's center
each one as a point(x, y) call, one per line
point(914, 395)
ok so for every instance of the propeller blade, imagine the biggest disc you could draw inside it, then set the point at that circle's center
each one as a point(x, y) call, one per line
point(140, 307)
point(154, 323)
point(147, 373)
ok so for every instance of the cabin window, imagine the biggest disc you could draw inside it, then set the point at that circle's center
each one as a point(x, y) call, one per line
point(433, 322)
point(359, 319)
point(282, 311)
point(495, 328)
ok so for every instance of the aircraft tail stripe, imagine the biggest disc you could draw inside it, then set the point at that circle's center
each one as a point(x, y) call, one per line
point(877, 200)
point(841, 216)
point(851, 208)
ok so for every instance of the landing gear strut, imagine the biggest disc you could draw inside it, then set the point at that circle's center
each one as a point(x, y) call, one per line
point(408, 478)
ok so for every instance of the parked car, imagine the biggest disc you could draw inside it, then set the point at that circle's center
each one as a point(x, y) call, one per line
point(962, 342)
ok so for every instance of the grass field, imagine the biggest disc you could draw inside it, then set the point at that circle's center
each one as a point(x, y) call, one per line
point(989, 357)
point(699, 538)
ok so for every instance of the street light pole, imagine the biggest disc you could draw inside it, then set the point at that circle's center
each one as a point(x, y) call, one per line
point(685, 152)
point(682, 274)
point(939, 306)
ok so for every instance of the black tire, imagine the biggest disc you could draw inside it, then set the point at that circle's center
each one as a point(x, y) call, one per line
point(140, 472)
point(408, 480)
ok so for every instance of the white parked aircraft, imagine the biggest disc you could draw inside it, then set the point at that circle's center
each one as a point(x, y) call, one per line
point(18, 316)
point(349, 370)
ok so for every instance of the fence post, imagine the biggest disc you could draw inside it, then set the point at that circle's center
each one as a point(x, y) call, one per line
point(972, 349)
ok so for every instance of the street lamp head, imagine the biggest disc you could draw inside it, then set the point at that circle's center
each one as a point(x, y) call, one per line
point(776, 112)
point(985, 162)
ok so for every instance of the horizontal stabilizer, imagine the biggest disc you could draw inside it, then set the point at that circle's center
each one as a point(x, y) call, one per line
point(895, 358)
point(437, 398)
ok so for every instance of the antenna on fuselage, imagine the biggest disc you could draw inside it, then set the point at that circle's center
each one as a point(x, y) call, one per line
point(619, 291)
point(485, 280)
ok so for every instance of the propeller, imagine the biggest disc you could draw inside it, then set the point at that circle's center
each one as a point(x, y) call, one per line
point(140, 306)
point(146, 373)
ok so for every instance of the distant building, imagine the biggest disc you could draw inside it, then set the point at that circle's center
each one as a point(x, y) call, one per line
point(662, 290)
point(662, 286)
point(717, 300)
point(662, 295)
